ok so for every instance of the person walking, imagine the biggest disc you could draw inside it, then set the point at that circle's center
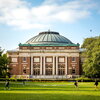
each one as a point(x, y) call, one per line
point(7, 85)
point(76, 84)
point(96, 84)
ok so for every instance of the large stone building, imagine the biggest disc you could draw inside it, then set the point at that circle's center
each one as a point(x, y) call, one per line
point(47, 55)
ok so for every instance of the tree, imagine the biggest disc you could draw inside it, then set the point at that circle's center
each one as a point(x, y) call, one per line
point(91, 53)
point(4, 65)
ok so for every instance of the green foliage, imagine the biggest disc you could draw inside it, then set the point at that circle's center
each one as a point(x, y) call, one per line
point(4, 65)
point(91, 66)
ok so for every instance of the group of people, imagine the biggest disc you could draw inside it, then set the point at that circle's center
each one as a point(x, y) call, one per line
point(96, 84)
point(75, 84)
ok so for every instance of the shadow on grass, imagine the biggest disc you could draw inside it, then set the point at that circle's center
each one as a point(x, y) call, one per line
point(46, 96)
point(49, 89)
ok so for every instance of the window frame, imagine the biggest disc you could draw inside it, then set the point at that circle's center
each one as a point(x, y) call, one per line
point(49, 58)
point(24, 59)
point(73, 59)
point(59, 61)
point(35, 61)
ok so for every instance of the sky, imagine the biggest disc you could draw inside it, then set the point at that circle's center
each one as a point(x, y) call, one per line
point(21, 20)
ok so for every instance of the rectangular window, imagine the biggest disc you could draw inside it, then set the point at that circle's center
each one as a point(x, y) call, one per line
point(36, 72)
point(36, 48)
point(61, 48)
point(61, 71)
point(48, 71)
point(48, 59)
point(24, 48)
point(73, 59)
point(73, 71)
point(24, 71)
point(49, 48)
point(61, 59)
point(14, 59)
point(24, 59)
point(36, 60)
point(73, 47)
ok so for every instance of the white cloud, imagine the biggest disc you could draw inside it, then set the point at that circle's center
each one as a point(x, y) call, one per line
point(17, 13)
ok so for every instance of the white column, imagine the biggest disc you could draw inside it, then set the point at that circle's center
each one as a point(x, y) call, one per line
point(31, 65)
point(40, 65)
point(65, 65)
point(44, 65)
point(56, 65)
point(53, 65)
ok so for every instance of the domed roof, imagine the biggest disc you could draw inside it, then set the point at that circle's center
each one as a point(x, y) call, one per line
point(49, 37)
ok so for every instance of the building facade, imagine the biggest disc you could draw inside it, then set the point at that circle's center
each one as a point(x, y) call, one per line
point(47, 55)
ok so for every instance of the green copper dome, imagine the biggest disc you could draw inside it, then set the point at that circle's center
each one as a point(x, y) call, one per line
point(48, 37)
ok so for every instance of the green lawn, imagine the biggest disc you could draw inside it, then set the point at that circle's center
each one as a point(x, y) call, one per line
point(49, 91)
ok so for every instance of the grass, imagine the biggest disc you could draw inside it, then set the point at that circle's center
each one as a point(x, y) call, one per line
point(49, 91)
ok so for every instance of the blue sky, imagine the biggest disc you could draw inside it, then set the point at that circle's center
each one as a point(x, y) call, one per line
point(22, 19)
